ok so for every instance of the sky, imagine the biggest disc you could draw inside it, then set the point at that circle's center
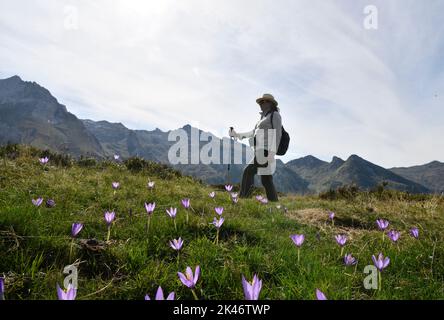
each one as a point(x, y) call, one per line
point(348, 81)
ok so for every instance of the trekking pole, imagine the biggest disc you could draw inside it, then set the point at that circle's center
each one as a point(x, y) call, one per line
point(229, 158)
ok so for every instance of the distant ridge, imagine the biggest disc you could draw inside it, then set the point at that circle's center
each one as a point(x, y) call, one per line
point(29, 114)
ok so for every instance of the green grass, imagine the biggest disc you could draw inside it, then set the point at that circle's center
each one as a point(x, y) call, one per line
point(35, 242)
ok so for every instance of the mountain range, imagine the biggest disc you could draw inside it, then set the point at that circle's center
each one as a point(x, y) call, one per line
point(29, 114)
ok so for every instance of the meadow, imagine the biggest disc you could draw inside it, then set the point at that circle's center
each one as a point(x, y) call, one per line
point(36, 241)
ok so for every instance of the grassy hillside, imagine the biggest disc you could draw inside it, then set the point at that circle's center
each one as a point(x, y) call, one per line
point(255, 238)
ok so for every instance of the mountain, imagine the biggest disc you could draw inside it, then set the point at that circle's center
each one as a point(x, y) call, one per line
point(355, 170)
point(430, 175)
point(115, 138)
point(29, 114)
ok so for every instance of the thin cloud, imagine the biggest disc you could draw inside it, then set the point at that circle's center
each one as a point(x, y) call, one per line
point(342, 89)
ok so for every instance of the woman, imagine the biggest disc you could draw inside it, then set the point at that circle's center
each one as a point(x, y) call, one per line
point(264, 138)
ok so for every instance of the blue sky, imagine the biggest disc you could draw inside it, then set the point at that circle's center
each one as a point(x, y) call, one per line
point(342, 89)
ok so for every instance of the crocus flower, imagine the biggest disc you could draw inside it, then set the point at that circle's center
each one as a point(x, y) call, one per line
point(320, 295)
point(218, 223)
point(50, 203)
point(44, 160)
point(151, 186)
point(253, 289)
point(160, 296)
point(186, 203)
point(116, 157)
point(341, 239)
point(189, 279)
point(393, 235)
point(116, 185)
point(176, 244)
point(234, 194)
point(149, 207)
point(219, 210)
point(331, 215)
point(414, 232)
point(264, 201)
point(109, 217)
point(382, 224)
point(259, 198)
point(37, 202)
point(69, 294)
point(235, 200)
point(381, 263)
point(298, 239)
point(212, 194)
point(228, 187)
point(76, 228)
point(2, 288)
point(172, 212)
point(349, 260)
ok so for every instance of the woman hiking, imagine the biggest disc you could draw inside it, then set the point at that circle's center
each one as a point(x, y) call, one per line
point(264, 138)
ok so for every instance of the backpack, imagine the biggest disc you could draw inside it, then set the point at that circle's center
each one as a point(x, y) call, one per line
point(285, 140)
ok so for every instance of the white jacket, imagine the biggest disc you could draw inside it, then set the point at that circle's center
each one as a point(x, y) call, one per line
point(262, 132)
point(265, 124)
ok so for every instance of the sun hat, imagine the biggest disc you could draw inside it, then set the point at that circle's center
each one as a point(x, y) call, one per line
point(267, 97)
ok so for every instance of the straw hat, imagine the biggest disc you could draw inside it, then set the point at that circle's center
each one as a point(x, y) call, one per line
point(267, 97)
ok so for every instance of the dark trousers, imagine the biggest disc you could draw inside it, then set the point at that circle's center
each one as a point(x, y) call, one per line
point(248, 181)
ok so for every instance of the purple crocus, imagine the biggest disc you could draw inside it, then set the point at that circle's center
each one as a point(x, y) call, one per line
point(298, 239)
point(160, 296)
point(37, 202)
point(172, 212)
point(264, 201)
point(186, 203)
point(218, 223)
point(189, 279)
point(341, 240)
point(50, 203)
point(176, 244)
point(109, 217)
point(69, 294)
point(219, 210)
point(394, 235)
point(212, 194)
point(414, 232)
point(320, 295)
point(331, 215)
point(235, 200)
point(349, 260)
point(2, 288)
point(76, 228)
point(44, 160)
point(253, 289)
point(149, 207)
point(116, 185)
point(228, 187)
point(382, 224)
point(259, 198)
point(381, 263)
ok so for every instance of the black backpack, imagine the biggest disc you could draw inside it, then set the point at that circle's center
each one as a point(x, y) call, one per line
point(285, 140)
